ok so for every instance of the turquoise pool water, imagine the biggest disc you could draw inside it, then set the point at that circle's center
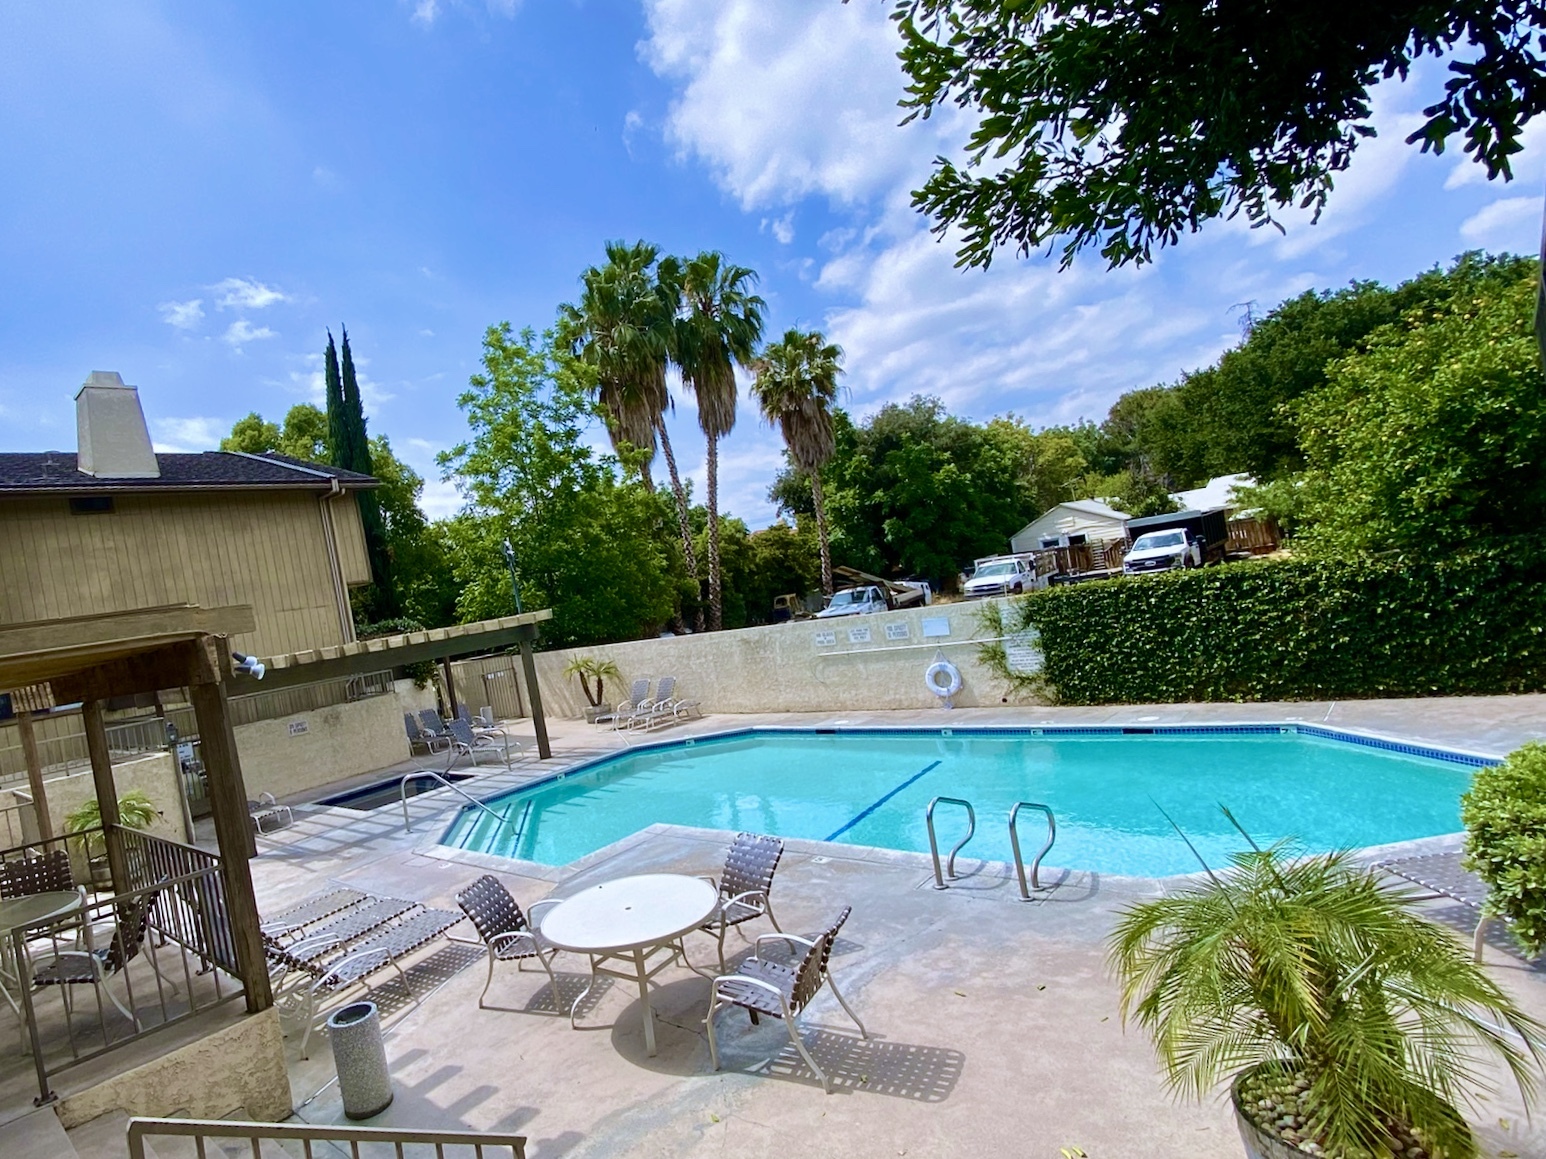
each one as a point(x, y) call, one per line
point(1107, 788)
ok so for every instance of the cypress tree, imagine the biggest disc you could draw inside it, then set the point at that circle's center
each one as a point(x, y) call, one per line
point(351, 451)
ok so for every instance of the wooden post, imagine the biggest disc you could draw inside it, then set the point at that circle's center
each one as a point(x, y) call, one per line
point(107, 793)
point(533, 693)
point(29, 752)
point(233, 830)
point(450, 679)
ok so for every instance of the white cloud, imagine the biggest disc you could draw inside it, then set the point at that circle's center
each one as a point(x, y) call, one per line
point(1510, 223)
point(182, 315)
point(425, 11)
point(176, 436)
point(782, 228)
point(246, 294)
point(786, 100)
point(241, 332)
point(310, 382)
point(1529, 164)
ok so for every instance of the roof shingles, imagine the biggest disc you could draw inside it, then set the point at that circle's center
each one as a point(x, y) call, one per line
point(55, 471)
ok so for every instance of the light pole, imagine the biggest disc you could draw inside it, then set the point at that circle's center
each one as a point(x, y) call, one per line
point(515, 583)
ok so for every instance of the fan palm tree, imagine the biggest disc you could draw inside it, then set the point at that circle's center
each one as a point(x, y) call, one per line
point(719, 325)
point(796, 384)
point(1318, 982)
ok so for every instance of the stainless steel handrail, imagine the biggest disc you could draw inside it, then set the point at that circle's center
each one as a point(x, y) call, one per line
point(307, 1133)
point(402, 789)
point(971, 827)
point(1014, 842)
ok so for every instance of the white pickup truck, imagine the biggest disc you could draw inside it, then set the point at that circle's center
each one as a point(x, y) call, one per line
point(859, 601)
point(1161, 551)
point(1006, 576)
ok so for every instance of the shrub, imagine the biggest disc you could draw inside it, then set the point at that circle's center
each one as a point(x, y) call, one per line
point(1297, 629)
point(1505, 820)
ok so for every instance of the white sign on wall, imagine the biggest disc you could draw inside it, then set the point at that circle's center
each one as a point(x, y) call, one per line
point(896, 631)
point(859, 635)
point(936, 626)
point(1022, 651)
point(298, 728)
point(825, 638)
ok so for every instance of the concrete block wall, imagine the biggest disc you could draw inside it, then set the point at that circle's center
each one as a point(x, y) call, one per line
point(315, 748)
point(782, 668)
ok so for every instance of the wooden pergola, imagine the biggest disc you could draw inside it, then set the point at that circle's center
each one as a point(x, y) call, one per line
point(92, 659)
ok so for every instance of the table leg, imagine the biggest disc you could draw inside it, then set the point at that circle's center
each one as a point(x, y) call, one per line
point(644, 999)
point(581, 996)
point(24, 984)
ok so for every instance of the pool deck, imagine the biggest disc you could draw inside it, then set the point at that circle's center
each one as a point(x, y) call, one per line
point(994, 1025)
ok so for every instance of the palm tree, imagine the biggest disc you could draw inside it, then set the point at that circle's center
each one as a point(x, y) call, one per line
point(719, 325)
point(796, 385)
point(1342, 1008)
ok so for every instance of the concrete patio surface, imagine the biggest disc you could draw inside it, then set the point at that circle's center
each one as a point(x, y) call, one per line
point(994, 1025)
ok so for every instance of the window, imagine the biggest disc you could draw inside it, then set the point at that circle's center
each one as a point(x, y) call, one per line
point(91, 505)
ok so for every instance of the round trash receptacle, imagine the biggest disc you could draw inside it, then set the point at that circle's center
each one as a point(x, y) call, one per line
point(360, 1056)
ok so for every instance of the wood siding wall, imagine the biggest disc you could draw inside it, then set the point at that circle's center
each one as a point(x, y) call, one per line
point(351, 539)
point(267, 549)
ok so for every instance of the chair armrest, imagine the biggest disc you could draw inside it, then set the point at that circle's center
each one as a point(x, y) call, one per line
point(760, 894)
point(531, 910)
point(757, 945)
point(509, 936)
point(743, 980)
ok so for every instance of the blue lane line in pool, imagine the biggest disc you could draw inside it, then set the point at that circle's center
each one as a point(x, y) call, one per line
point(870, 809)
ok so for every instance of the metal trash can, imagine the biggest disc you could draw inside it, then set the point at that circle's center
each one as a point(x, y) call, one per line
point(360, 1056)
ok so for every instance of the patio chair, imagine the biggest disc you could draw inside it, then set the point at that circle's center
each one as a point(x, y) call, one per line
point(92, 966)
point(761, 986)
point(465, 742)
point(417, 736)
point(433, 726)
point(486, 717)
point(506, 933)
point(47, 873)
point(267, 814)
point(744, 886)
point(622, 716)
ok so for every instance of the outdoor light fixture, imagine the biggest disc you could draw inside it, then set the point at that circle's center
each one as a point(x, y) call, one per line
point(250, 665)
point(515, 583)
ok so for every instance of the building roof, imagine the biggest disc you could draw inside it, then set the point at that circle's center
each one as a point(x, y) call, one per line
point(55, 472)
point(1094, 507)
point(1216, 492)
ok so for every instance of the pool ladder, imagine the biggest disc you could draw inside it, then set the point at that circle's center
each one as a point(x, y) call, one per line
point(1014, 842)
point(402, 789)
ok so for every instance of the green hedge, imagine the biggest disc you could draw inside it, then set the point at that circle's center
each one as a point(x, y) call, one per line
point(1505, 820)
point(1299, 630)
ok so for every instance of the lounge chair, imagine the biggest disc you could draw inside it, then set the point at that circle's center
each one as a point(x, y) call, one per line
point(434, 727)
point(761, 986)
point(268, 814)
point(465, 742)
point(342, 954)
point(622, 716)
point(417, 737)
point(506, 933)
point(92, 966)
point(486, 717)
point(1444, 875)
point(744, 885)
point(656, 709)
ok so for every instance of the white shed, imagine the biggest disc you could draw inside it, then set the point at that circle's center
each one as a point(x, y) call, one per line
point(1217, 492)
point(1090, 518)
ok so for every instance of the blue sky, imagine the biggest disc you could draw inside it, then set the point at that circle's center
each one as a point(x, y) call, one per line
point(194, 191)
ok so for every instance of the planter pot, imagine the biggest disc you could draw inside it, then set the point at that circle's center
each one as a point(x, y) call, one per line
point(1261, 1144)
point(593, 711)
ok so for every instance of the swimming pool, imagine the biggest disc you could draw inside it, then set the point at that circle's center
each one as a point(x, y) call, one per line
point(1107, 785)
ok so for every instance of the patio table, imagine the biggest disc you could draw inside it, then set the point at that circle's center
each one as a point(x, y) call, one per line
point(17, 915)
point(631, 920)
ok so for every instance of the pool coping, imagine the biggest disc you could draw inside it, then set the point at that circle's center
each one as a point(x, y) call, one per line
point(555, 873)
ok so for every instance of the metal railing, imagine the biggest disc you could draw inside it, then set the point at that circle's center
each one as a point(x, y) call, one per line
point(971, 827)
point(1014, 843)
point(348, 1140)
point(402, 788)
point(141, 959)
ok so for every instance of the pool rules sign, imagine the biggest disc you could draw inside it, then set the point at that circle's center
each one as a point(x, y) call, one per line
point(1022, 652)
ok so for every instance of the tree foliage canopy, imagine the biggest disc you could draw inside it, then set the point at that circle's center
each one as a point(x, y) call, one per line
point(1123, 125)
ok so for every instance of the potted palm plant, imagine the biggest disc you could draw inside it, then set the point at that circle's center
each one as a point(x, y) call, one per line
point(135, 811)
point(1347, 1024)
point(588, 668)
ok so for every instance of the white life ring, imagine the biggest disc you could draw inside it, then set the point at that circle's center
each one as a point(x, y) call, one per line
point(952, 676)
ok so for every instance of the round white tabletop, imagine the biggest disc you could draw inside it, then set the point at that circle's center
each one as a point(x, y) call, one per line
point(629, 913)
point(16, 912)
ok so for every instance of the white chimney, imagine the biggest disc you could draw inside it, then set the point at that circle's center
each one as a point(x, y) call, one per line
point(112, 441)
